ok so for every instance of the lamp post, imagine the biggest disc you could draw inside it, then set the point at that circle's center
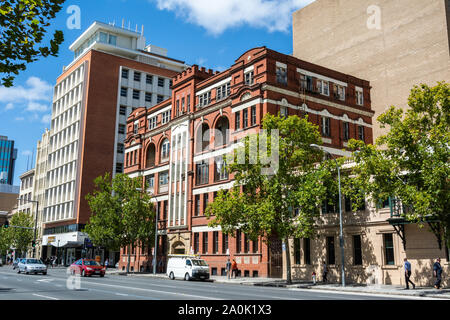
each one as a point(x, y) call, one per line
point(35, 223)
point(341, 234)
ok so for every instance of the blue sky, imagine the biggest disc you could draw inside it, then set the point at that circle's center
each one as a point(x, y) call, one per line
point(211, 33)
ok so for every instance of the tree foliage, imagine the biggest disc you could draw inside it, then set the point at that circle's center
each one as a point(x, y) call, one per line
point(18, 238)
point(122, 215)
point(23, 26)
point(265, 205)
point(5, 241)
point(411, 161)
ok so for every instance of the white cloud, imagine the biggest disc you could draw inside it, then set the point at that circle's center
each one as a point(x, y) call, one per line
point(46, 119)
point(19, 118)
point(27, 153)
point(34, 106)
point(9, 106)
point(36, 90)
point(218, 15)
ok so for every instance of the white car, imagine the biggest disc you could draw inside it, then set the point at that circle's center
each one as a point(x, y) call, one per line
point(187, 268)
point(32, 266)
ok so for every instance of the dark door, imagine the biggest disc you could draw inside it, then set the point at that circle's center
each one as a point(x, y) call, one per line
point(276, 258)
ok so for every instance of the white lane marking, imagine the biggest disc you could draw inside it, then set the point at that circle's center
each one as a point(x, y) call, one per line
point(47, 297)
point(45, 280)
point(122, 294)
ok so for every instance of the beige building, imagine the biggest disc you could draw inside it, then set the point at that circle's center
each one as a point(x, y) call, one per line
point(395, 45)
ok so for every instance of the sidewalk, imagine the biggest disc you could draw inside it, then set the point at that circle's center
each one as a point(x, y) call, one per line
point(303, 284)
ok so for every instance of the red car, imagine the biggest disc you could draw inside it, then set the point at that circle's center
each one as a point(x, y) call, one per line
point(87, 267)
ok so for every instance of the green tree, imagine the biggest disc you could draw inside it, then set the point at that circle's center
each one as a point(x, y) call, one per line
point(23, 26)
point(5, 241)
point(123, 215)
point(20, 238)
point(265, 204)
point(411, 161)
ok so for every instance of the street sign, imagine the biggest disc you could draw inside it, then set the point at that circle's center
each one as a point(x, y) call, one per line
point(51, 239)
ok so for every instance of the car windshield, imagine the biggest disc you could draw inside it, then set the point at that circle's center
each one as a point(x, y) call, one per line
point(91, 263)
point(33, 261)
point(199, 263)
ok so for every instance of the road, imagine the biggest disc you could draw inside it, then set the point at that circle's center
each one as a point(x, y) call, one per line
point(54, 286)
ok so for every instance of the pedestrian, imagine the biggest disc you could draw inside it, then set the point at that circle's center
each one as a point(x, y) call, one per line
point(325, 272)
point(228, 268)
point(437, 270)
point(314, 277)
point(234, 268)
point(408, 274)
point(106, 263)
point(54, 262)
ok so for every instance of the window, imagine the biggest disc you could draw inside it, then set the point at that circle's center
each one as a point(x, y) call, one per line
point(170, 84)
point(297, 251)
point(238, 120)
point(202, 173)
point(166, 117)
point(215, 242)
point(119, 167)
point(205, 201)
point(197, 206)
point(182, 105)
point(159, 98)
point(112, 40)
point(188, 103)
point(163, 178)
point(348, 204)
point(346, 126)
point(135, 128)
point(223, 91)
point(253, 115)
point(205, 242)
point(256, 246)
point(204, 99)
point(148, 97)
point(323, 87)
point(220, 172)
point(121, 129)
point(160, 82)
point(177, 109)
point(282, 75)
point(149, 79)
point(120, 148)
point(339, 92)
point(103, 37)
point(330, 251)
point(307, 250)
point(388, 249)
point(136, 94)
point(150, 181)
point(359, 97)
point(137, 76)
point(249, 78)
point(361, 133)
point(326, 129)
point(245, 118)
point(152, 123)
point(224, 243)
point(196, 242)
point(238, 241)
point(357, 252)
point(125, 73)
point(284, 112)
point(165, 149)
point(123, 111)
point(306, 82)
point(123, 92)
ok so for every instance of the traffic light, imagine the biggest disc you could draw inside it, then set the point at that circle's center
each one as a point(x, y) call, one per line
point(33, 244)
point(6, 224)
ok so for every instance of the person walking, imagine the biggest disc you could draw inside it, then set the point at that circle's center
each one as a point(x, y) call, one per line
point(325, 272)
point(228, 268)
point(408, 274)
point(437, 270)
point(234, 268)
point(106, 263)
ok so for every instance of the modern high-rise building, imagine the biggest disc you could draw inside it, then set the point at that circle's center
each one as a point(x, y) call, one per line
point(8, 156)
point(112, 73)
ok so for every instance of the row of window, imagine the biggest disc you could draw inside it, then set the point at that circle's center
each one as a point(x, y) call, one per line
point(137, 76)
point(246, 247)
point(245, 122)
point(326, 129)
point(184, 108)
point(137, 95)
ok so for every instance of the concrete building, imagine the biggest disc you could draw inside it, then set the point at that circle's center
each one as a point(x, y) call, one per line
point(177, 147)
point(8, 156)
point(112, 73)
point(394, 45)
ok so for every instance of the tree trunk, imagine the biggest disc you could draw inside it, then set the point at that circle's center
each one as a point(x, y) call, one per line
point(129, 255)
point(288, 261)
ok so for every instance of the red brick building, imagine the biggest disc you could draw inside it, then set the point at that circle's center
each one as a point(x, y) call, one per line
point(176, 146)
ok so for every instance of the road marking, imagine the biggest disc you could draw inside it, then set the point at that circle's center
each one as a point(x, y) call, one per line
point(47, 297)
point(122, 294)
point(45, 280)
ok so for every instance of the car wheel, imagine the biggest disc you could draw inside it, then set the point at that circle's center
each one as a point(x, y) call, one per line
point(26, 271)
point(187, 277)
point(18, 270)
point(83, 274)
point(171, 276)
point(102, 275)
point(44, 273)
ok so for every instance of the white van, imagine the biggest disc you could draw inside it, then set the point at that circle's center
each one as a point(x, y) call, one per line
point(187, 267)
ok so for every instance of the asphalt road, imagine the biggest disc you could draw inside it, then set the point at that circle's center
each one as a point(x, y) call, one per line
point(58, 285)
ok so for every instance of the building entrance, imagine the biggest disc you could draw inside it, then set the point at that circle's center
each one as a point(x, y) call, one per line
point(276, 258)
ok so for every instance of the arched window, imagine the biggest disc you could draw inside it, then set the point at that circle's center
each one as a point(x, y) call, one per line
point(165, 150)
point(202, 141)
point(150, 156)
point(221, 132)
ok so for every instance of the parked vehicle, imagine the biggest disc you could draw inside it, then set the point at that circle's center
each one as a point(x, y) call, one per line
point(31, 266)
point(87, 267)
point(15, 263)
point(187, 267)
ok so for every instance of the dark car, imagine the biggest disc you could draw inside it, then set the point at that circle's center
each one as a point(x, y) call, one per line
point(87, 267)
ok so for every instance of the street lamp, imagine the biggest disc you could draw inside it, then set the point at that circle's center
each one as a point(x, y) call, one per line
point(35, 222)
point(341, 235)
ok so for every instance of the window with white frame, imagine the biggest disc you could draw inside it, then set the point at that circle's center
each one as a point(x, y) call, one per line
point(282, 75)
point(137, 76)
point(161, 82)
point(249, 78)
point(148, 97)
point(339, 92)
point(223, 91)
point(204, 99)
point(125, 73)
point(326, 129)
point(152, 123)
point(323, 87)
point(150, 180)
point(284, 112)
point(165, 149)
point(166, 116)
point(159, 99)
point(361, 133)
point(149, 79)
point(359, 97)
point(163, 178)
point(346, 131)
point(136, 94)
